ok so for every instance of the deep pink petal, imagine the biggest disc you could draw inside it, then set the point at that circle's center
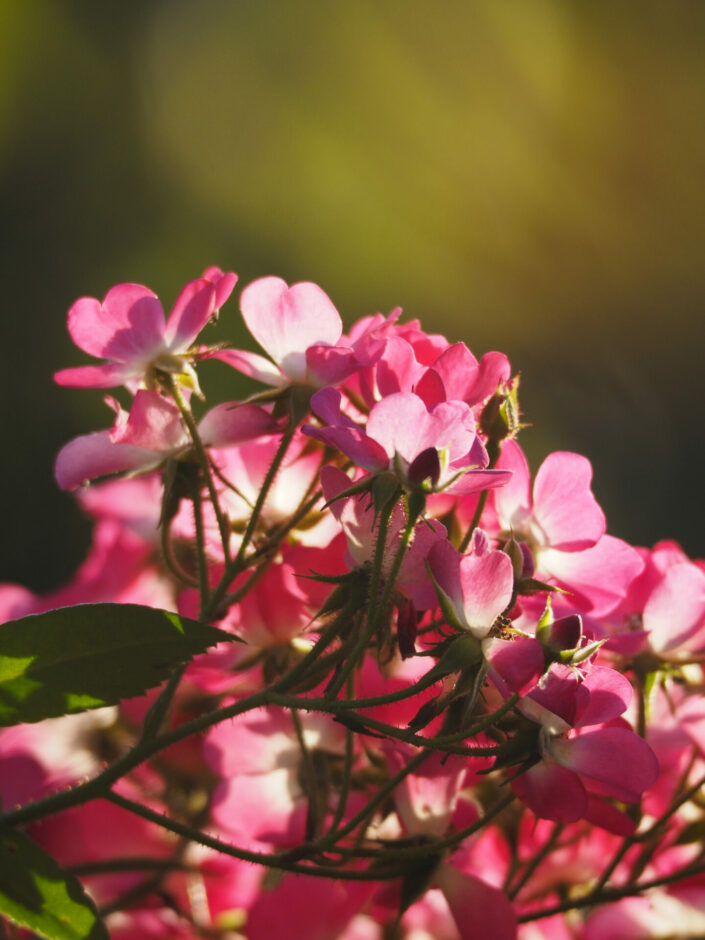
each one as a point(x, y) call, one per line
point(605, 815)
point(330, 365)
point(230, 423)
point(354, 443)
point(223, 283)
point(154, 424)
point(193, 309)
point(602, 696)
point(109, 375)
point(326, 404)
point(564, 506)
point(552, 792)
point(285, 321)
point(129, 321)
point(617, 758)
point(94, 455)
point(518, 662)
point(478, 909)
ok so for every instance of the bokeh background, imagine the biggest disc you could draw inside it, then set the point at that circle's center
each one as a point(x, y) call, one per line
point(524, 176)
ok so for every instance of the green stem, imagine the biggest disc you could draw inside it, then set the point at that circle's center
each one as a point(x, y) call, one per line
point(614, 894)
point(260, 858)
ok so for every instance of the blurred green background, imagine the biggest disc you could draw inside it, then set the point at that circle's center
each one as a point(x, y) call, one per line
point(524, 176)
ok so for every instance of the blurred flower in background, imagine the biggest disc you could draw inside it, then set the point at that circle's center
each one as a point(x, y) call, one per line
point(522, 177)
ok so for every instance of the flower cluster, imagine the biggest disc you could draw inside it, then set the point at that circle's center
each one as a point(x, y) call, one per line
point(442, 701)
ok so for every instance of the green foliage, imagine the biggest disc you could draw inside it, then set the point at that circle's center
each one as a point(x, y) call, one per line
point(36, 893)
point(91, 655)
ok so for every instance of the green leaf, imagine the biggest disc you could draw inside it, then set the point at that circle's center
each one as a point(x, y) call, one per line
point(74, 658)
point(36, 893)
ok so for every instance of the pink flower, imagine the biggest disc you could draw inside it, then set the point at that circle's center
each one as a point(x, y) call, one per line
point(151, 432)
point(476, 587)
point(299, 328)
point(400, 429)
point(580, 766)
point(129, 330)
point(565, 528)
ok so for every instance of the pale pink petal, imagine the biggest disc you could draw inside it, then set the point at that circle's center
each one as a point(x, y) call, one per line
point(598, 578)
point(478, 909)
point(552, 792)
point(564, 506)
point(426, 800)
point(603, 695)
point(487, 584)
point(413, 577)
point(108, 375)
point(513, 501)
point(401, 423)
point(230, 423)
point(193, 309)
point(285, 321)
point(691, 718)
point(676, 608)
point(617, 758)
point(253, 365)
point(95, 455)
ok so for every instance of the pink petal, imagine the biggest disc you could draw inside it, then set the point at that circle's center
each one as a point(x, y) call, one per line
point(193, 309)
point(444, 562)
point(154, 424)
point(223, 283)
point(513, 501)
point(552, 792)
point(478, 909)
point(474, 481)
point(108, 375)
point(285, 321)
point(616, 758)
point(230, 423)
point(564, 505)
point(598, 578)
point(605, 815)
point(676, 608)
point(94, 455)
point(487, 584)
point(253, 365)
point(128, 325)
point(519, 662)
point(354, 443)
point(330, 365)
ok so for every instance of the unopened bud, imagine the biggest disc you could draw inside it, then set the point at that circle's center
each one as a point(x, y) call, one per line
point(500, 417)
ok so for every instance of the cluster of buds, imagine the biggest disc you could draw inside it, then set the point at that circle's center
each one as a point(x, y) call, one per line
point(444, 703)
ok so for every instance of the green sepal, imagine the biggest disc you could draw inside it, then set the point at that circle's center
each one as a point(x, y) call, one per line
point(544, 625)
point(573, 657)
point(36, 893)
